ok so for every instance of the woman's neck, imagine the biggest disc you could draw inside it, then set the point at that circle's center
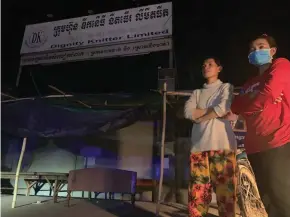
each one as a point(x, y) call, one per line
point(264, 68)
point(211, 80)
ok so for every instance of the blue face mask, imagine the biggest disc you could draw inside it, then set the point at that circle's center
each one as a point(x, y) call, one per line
point(260, 57)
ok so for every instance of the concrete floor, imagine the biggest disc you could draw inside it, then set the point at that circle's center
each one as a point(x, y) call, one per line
point(26, 207)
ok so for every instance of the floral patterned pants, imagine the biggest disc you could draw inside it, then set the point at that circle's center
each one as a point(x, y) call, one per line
point(212, 170)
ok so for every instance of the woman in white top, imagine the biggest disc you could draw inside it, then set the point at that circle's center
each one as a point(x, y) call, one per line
point(213, 150)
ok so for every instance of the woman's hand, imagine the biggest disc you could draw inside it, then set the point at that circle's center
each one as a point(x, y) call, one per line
point(198, 113)
point(231, 116)
point(208, 115)
point(279, 99)
point(198, 120)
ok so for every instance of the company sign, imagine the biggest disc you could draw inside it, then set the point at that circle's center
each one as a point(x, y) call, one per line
point(98, 52)
point(240, 137)
point(149, 22)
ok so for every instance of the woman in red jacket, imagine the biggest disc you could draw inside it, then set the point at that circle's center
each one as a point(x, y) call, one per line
point(264, 103)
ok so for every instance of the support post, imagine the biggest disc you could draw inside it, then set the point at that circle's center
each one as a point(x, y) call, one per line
point(158, 205)
point(18, 75)
point(86, 166)
point(18, 171)
point(171, 58)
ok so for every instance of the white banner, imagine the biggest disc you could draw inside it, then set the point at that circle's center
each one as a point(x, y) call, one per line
point(153, 21)
point(98, 52)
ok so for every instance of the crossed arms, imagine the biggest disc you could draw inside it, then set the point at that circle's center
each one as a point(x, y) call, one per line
point(198, 115)
point(275, 81)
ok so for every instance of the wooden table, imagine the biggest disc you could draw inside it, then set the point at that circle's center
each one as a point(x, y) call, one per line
point(150, 184)
point(55, 180)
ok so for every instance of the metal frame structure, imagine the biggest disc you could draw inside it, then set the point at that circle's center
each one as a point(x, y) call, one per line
point(171, 65)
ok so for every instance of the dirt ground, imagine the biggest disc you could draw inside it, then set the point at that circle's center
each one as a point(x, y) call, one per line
point(27, 207)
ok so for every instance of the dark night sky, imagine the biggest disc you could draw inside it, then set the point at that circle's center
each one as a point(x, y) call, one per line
point(201, 29)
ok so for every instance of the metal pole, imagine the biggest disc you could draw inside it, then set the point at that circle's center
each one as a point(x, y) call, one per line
point(162, 151)
point(18, 75)
point(18, 171)
point(171, 58)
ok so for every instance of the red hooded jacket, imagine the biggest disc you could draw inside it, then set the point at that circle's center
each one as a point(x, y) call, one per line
point(268, 124)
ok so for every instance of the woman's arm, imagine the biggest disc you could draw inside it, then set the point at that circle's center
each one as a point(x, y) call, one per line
point(191, 111)
point(210, 114)
point(277, 78)
point(198, 113)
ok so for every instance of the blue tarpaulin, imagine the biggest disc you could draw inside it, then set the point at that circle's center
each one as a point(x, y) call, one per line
point(30, 118)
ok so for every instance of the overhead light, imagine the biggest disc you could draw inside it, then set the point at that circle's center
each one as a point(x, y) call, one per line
point(49, 15)
point(91, 12)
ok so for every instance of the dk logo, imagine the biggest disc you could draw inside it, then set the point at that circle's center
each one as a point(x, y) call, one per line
point(36, 39)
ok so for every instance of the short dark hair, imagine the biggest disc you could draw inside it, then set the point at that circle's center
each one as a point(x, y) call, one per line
point(268, 38)
point(216, 60)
